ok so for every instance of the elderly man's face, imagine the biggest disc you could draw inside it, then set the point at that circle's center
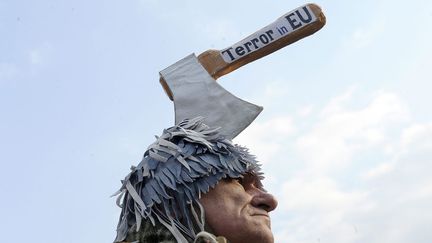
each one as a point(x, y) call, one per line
point(238, 210)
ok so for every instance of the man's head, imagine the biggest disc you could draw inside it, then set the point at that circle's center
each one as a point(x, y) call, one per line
point(238, 209)
point(192, 170)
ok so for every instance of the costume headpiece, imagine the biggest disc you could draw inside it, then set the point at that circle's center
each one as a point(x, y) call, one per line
point(184, 162)
point(190, 158)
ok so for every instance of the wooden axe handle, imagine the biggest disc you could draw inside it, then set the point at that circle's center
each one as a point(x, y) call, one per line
point(291, 27)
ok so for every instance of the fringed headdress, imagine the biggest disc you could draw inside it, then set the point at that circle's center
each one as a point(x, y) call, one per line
point(184, 162)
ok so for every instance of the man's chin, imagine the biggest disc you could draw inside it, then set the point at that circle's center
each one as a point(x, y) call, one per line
point(266, 236)
point(263, 234)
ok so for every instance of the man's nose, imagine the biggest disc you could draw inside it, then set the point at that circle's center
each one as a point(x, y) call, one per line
point(264, 200)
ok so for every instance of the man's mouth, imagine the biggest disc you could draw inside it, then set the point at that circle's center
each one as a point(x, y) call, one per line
point(265, 214)
point(263, 217)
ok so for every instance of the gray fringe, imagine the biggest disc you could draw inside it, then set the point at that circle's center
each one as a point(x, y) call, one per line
point(185, 161)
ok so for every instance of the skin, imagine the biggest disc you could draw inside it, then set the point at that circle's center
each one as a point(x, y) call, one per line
point(238, 209)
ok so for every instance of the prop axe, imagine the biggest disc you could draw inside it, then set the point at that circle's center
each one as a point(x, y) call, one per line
point(190, 82)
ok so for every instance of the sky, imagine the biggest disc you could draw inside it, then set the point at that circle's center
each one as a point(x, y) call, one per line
point(345, 137)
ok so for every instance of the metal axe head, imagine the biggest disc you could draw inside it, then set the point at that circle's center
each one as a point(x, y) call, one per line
point(195, 93)
point(190, 82)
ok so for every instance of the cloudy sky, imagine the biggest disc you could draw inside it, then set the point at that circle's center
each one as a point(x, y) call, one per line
point(345, 137)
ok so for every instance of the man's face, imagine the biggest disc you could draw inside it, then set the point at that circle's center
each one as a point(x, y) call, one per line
point(238, 210)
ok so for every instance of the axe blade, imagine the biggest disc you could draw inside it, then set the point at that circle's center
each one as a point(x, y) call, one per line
point(195, 93)
point(190, 82)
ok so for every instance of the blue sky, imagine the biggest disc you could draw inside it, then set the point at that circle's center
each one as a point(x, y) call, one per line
point(345, 137)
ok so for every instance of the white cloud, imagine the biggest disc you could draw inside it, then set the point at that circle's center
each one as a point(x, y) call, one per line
point(402, 192)
point(382, 200)
point(335, 105)
point(418, 135)
point(340, 132)
point(379, 170)
point(305, 111)
point(320, 194)
point(266, 138)
point(414, 138)
point(321, 208)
